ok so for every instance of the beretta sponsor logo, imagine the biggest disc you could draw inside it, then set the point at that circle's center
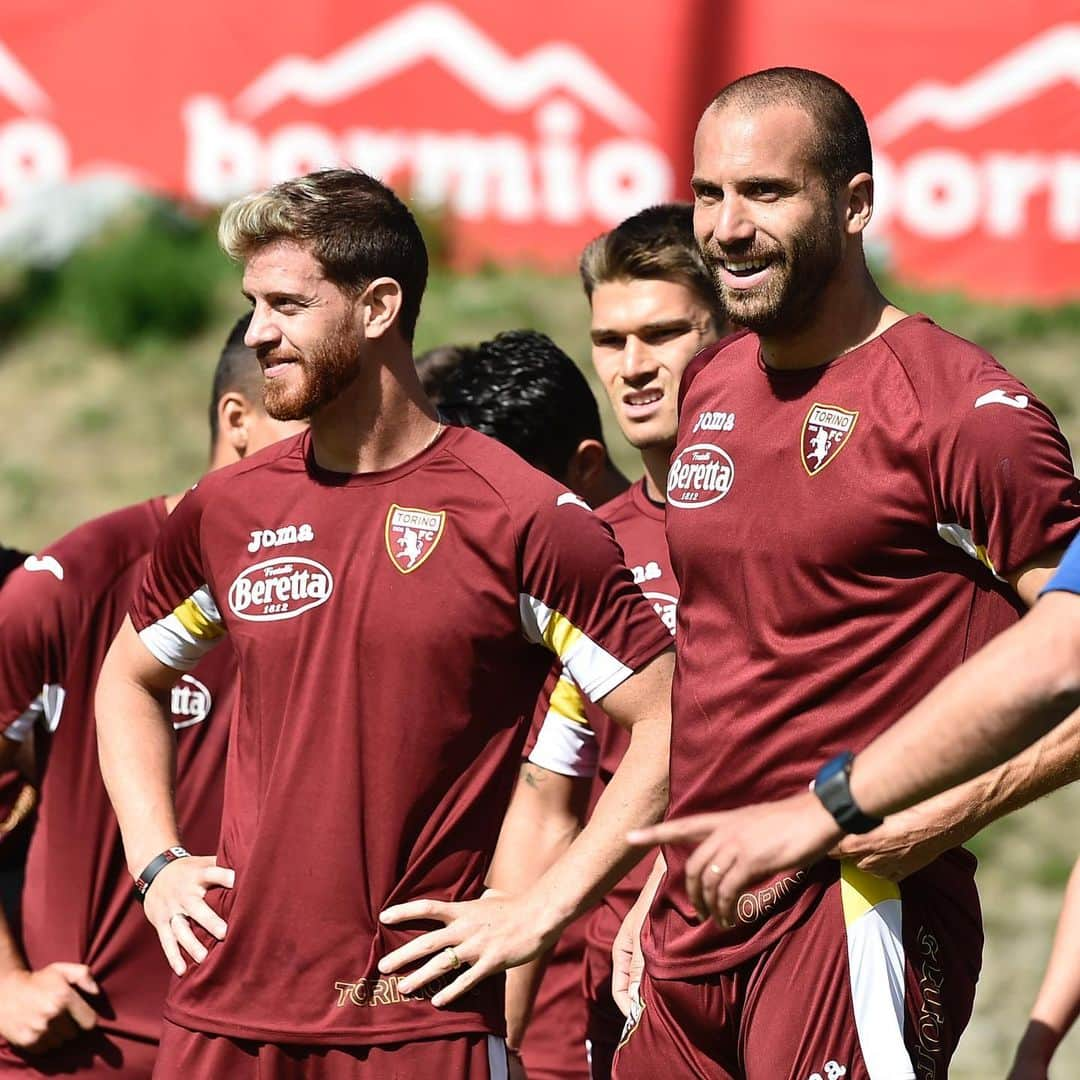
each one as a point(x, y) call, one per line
point(190, 702)
point(701, 475)
point(280, 588)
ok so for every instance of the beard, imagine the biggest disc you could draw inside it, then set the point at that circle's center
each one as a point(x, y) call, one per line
point(790, 298)
point(327, 371)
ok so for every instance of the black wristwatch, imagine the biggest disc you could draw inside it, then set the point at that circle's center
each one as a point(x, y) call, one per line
point(831, 787)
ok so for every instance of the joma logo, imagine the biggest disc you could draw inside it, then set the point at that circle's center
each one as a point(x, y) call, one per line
point(287, 534)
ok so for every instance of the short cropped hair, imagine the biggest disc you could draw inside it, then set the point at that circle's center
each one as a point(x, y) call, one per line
point(436, 366)
point(841, 146)
point(523, 390)
point(237, 371)
point(355, 226)
point(657, 243)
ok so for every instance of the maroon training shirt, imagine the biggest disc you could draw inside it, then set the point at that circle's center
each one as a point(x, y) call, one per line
point(840, 536)
point(387, 626)
point(58, 616)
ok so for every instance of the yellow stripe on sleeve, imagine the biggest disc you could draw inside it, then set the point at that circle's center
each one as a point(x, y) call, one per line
point(195, 621)
point(561, 635)
point(566, 700)
point(861, 892)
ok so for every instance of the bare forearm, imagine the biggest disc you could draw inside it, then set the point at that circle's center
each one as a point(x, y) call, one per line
point(137, 750)
point(601, 856)
point(546, 813)
point(1058, 1003)
point(998, 703)
point(1043, 767)
point(11, 958)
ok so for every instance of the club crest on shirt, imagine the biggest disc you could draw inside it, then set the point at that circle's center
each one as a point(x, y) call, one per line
point(412, 535)
point(825, 432)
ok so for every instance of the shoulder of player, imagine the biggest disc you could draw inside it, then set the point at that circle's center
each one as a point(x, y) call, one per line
point(524, 492)
point(950, 376)
point(234, 482)
point(95, 553)
point(509, 477)
point(742, 341)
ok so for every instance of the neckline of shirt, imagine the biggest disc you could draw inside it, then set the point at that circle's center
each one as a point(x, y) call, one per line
point(639, 496)
point(329, 478)
point(815, 372)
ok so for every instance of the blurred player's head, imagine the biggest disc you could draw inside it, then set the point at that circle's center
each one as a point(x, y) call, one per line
point(438, 365)
point(336, 267)
point(653, 308)
point(783, 190)
point(239, 424)
point(523, 390)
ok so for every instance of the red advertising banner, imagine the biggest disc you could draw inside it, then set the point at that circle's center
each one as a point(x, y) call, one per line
point(538, 126)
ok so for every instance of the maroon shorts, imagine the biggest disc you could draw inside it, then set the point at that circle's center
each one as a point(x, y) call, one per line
point(197, 1056)
point(879, 980)
point(97, 1053)
point(605, 1022)
point(554, 1045)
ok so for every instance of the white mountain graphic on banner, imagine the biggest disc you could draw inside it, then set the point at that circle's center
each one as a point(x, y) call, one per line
point(439, 32)
point(1052, 57)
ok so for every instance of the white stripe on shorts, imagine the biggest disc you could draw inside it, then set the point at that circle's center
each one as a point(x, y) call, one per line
point(875, 942)
point(498, 1064)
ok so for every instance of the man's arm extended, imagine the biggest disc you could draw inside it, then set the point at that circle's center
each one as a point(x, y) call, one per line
point(497, 932)
point(1008, 695)
point(137, 748)
point(913, 838)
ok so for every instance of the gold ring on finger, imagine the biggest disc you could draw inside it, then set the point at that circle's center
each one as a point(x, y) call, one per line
point(452, 956)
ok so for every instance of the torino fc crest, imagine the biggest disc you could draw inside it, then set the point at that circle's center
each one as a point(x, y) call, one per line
point(411, 535)
point(826, 431)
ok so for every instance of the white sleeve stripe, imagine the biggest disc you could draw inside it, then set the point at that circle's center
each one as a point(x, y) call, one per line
point(171, 644)
point(204, 600)
point(565, 747)
point(595, 670)
point(535, 616)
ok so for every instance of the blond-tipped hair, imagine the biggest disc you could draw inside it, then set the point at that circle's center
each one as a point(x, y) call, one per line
point(355, 227)
point(656, 243)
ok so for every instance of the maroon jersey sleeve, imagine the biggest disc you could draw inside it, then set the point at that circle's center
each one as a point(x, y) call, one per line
point(579, 600)
point(174, 611)
point(42, 609)
point(1003, 483)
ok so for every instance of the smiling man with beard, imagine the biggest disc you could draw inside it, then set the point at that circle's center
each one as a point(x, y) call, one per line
point(393, 633)
point(857, 500)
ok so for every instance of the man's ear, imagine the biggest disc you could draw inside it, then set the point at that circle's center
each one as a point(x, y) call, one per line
point(379, 306)
point(586, 467)
point(860, 203)
point(234, 411)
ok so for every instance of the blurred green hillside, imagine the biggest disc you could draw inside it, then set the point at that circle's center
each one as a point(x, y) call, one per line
point(103, 399)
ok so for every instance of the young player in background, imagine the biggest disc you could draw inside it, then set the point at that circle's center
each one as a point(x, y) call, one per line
point(652, 308)
point(81, 988)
